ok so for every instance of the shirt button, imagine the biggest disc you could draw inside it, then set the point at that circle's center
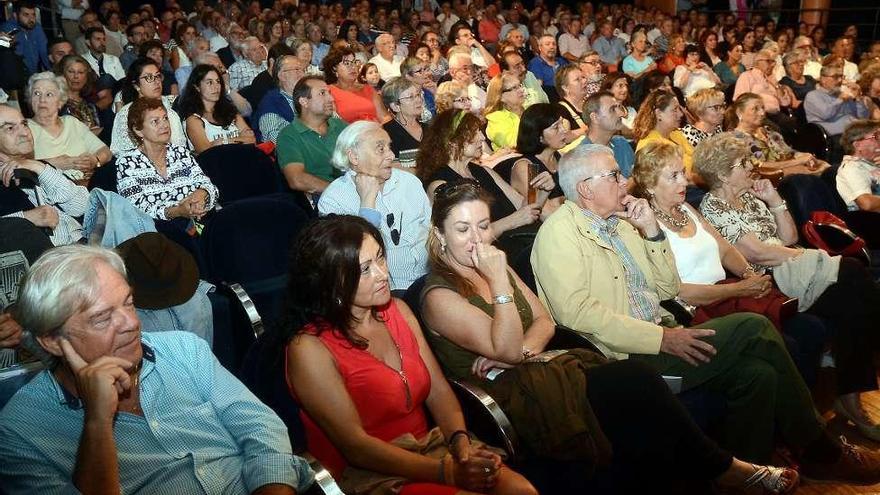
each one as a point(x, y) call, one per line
point(155, 424)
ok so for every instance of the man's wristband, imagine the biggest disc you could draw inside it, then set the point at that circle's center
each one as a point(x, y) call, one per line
point(657, 238)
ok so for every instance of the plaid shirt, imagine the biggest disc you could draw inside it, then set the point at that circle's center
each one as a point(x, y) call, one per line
point(243, 72)
point(644, 303)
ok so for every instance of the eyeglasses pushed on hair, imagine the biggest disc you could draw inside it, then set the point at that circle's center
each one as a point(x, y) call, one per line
point(448, 188)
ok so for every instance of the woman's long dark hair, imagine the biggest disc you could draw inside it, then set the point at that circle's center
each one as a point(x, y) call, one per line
point(129, 84)
point(323, 278)
point(191, 102)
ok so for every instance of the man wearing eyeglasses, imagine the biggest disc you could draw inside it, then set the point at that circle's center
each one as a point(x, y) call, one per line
point(833, 105)
point(387, 62)
point(243, 72)
point(858, 179)
point(760, 80)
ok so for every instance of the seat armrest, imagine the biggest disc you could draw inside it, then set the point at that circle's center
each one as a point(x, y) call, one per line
point(324, 483)
point(480, 409)
point(566, 338)
point(249, 308)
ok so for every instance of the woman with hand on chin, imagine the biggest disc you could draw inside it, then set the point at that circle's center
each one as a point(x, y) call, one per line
point(357, 361)
point(211, 118)
point(160, 178)
point(487, 327)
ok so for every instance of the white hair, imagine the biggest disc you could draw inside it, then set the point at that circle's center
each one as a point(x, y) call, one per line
point(59, 81)
point(577, 165)
point(455, 58)
point(61, 282)
point(350, 140)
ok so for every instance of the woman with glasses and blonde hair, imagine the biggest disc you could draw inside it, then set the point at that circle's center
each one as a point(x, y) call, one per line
point(354, 100)
point(452, 95)
point(405, 101)
point(504, 107)
point(708, 106)
point(418, 72)
point(752, 216)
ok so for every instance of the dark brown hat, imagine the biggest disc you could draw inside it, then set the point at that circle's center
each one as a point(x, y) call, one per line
point(161, 272)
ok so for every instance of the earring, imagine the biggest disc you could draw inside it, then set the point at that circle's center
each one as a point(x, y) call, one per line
point(339, 301)
point(443, 247)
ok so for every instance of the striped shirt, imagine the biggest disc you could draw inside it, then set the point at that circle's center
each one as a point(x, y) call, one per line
point(202, 431)
point(402, 212)
point(69, 199)
point(644, 303)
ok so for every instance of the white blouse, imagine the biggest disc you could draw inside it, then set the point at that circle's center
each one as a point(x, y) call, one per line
point(697, 258)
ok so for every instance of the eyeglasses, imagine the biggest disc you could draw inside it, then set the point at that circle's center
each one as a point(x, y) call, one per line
point(420, 70)
point(873, 135)
point(417, 96)
point(448, 188)
point(149, 78)
point(463, 100)
point(718, 107)
point(518, 86)
point(395, 233)
point(616, 173)
point(591, 62)
point(466, 68)
point(749, 164)
point(768, 60)
point(352, 62)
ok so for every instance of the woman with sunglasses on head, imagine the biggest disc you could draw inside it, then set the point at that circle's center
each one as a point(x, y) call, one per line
point(571, 407)
point(356, 360)
point(751, 216)
point(451, 150)
point(143, 80)
point(211, 118)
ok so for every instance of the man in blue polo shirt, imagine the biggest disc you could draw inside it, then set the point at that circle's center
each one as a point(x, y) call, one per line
point(603, 115)
point(546, 63)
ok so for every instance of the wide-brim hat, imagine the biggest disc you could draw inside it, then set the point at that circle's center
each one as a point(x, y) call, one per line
point(161, 272)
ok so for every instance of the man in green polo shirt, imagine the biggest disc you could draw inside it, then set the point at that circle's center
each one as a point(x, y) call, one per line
point(306, 145)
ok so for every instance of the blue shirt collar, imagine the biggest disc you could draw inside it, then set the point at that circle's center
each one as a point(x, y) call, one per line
point(72, 402)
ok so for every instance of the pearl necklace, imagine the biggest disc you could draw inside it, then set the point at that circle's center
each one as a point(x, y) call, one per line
point(669, 219)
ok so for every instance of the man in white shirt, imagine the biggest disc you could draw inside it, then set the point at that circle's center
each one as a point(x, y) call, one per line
point(804, 45)
point(71, 11)
point(387, 62)
point(446, 18)
point(574, 43)
point(841, 47)
point(858, 179)
point(462, 35)
point(461, 69)
point(105, 65)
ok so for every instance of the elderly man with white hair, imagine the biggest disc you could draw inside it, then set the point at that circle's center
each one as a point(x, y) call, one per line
point(120, 411)
point(243, 72)
point(387, 62)
point(602, 265)
point(392, 200)
point(461, 69)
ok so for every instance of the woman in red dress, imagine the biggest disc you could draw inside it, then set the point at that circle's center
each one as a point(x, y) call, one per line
point(354, 100)
point(359, 365)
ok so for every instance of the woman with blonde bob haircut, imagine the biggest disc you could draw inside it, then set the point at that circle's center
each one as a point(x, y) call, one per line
point(504, 108)
point(708, 106)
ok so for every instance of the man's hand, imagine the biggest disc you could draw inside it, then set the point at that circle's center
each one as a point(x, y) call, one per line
point(638, 212)
point(8, 165)
point(368, 188)
point(686, 344)
point(10, 332)
point(43, 216)
point(99, 383)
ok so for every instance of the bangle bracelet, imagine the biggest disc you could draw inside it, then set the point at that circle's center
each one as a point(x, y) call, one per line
point(448, 470)
point(455, 434)
point(780, 207)
point(502, 298)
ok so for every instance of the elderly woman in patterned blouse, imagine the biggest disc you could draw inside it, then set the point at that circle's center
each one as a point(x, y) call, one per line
point(160, 178)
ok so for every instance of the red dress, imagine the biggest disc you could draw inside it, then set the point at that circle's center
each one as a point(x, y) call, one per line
point(389, 403)
point(355, 105)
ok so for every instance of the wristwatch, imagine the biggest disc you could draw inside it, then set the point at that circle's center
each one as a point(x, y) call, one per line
point(502, 298)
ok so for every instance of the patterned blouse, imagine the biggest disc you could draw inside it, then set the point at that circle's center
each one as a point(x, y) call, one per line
point(734, 223)
point(770, 143)
point(140, 182)
point(695, 136)
point(82, 111)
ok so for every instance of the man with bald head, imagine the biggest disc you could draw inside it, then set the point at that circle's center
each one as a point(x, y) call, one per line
point(48, 199)
point(387, 62)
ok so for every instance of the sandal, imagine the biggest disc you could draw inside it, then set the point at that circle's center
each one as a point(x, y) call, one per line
point(771, 479)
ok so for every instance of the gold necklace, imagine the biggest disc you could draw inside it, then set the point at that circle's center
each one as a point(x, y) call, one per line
point(669, 219)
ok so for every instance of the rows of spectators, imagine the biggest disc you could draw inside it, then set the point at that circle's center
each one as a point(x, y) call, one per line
point(506, 170)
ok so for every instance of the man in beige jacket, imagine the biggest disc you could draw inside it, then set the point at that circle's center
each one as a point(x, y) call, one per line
point(603, 265)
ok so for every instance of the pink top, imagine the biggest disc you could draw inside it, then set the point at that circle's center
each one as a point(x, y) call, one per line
point(355, 105)
point(754, 81)
point(388, 402)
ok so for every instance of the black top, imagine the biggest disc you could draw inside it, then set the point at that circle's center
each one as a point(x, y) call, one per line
point(403, 144)
point(501, 205)
point(800, 90)
point(505, 170)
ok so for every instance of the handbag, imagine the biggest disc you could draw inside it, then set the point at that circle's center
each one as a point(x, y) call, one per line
point(826, 231)
point(775, 305)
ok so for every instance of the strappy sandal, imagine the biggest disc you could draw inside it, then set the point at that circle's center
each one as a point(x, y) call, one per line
point(771, 479)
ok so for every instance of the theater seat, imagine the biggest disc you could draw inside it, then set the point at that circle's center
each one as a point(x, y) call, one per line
point(15, 377)
point(240, 171)
point(812, 138)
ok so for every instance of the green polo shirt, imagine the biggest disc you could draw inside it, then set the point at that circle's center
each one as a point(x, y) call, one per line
point(300, 144)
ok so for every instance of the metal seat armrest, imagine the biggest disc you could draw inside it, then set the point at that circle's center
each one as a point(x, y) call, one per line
point(566, 338)
point(249, 308)
point(469, 394)
point(324, 483)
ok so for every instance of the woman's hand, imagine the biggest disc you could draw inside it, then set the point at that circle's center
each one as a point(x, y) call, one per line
point(490, 261)
point(763, 189)
point(543, 181)
point(478, 472)
point(483, 365)
point(526, 215)
point(756, 286)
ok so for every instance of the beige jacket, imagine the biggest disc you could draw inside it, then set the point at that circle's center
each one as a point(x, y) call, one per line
point(582, 282)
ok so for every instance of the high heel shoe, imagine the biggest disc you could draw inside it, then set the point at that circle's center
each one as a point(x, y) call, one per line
point(771, 479)
point(870, 431)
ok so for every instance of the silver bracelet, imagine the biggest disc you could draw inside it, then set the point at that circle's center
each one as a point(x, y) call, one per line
point(780, 207)
point(502, 298)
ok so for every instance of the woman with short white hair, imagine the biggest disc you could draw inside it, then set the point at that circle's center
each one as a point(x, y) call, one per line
point(63, 141)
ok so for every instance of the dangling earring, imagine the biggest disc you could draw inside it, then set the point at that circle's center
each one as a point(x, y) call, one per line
point(339, 301)
point(443, 247)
